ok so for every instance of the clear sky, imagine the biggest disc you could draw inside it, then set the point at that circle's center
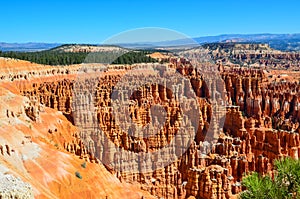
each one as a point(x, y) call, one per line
point(94, 21)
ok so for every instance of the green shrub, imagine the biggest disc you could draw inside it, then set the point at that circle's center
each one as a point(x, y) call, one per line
point(83, 165)
point(78, 175)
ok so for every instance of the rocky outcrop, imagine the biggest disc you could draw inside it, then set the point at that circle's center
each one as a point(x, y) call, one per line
point(254, 55)
point(266, 101)
point(11, 187)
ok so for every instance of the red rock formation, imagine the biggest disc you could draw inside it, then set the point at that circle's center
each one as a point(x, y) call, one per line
point(34, 146)
point(261, 124)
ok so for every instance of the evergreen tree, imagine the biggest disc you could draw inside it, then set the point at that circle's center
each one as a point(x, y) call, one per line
point(286, 182)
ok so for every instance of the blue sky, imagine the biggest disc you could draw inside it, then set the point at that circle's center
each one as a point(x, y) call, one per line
point(94, 21)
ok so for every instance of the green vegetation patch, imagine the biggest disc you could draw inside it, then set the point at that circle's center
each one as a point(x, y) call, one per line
point(52, 57)
point(284, 184)
point(78, 175)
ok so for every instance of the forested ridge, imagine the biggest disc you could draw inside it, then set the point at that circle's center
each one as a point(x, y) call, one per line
point(50, 57)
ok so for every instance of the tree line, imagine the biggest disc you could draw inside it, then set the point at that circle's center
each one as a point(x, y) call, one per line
point(134, 57)
point(49, 57)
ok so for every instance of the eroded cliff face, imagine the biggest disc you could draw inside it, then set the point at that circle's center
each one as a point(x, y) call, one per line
point(261, 124)
point(254, 55)
point(41, 150)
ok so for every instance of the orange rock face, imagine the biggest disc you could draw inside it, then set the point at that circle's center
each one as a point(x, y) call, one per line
point(39, 145)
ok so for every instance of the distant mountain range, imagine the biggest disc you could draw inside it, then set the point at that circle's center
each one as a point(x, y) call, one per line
point(247, 37)
point(28, 47)
point(285, 42)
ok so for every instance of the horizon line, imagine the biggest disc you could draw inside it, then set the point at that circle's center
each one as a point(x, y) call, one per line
point(99, 43)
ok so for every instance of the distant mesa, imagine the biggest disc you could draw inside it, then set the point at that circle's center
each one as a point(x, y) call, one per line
point(86, 48)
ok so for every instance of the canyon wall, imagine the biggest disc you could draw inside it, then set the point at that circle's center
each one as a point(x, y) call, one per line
point(261, 124)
